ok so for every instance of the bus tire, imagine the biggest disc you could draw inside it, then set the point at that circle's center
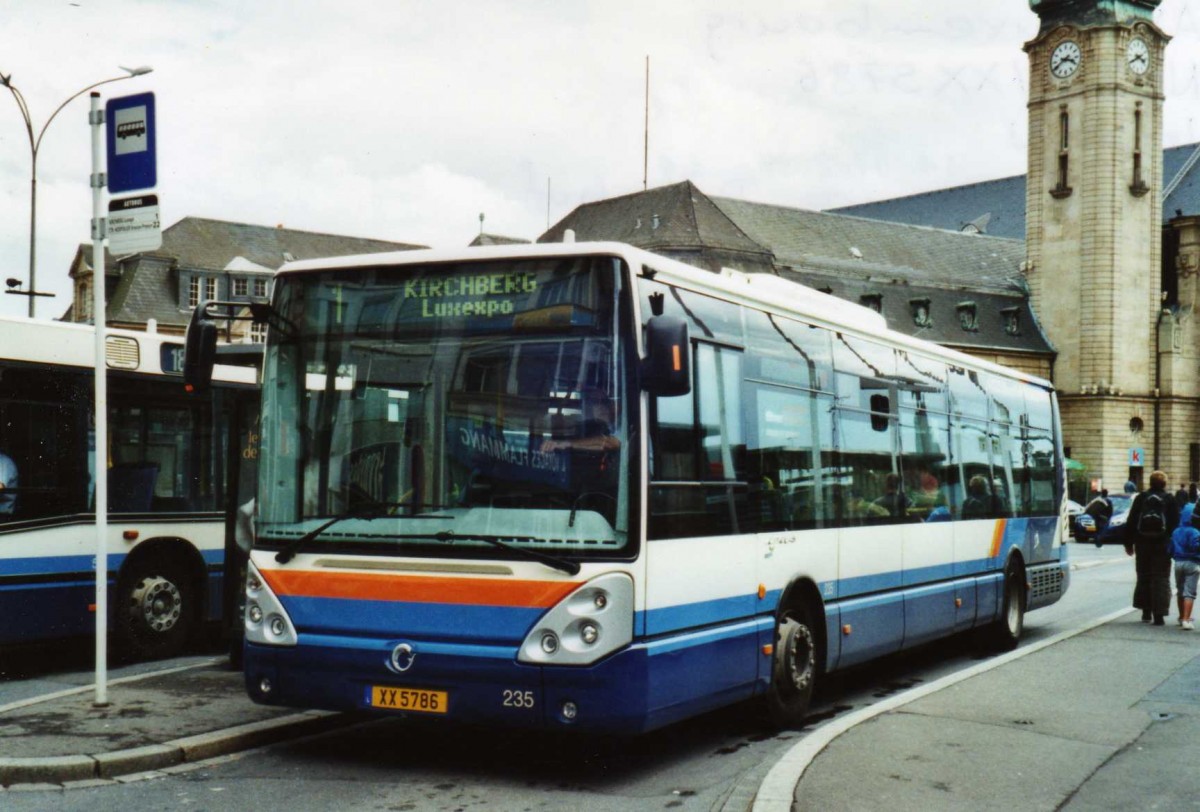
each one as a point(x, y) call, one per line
point(155, 609)
point(1005, 632)
point(793, 668)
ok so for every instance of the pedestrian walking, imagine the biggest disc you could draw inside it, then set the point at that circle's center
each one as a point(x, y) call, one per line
point(1152, 518)
point(1185, 550)
point(1181, 496)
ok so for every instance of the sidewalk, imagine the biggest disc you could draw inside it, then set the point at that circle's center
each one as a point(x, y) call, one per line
point(152, 722)
point(1106, 719)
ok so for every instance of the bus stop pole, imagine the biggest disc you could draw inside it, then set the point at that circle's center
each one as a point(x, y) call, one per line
point(100, 462)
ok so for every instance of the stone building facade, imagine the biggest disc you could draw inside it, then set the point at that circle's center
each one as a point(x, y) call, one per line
point(1094, 236)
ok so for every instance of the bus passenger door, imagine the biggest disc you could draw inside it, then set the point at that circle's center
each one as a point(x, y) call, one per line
point(700, 579)
point(933, 599)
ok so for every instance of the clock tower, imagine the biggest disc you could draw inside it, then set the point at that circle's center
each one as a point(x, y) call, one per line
point(1093, 226)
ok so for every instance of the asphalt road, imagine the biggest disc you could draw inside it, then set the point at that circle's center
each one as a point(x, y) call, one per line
point(706, 763)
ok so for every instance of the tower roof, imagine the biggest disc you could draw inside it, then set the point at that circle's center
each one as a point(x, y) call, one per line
point(1092, 12)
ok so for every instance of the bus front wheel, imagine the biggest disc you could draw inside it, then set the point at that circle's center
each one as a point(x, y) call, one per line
point(793, 669)
point(154, 610)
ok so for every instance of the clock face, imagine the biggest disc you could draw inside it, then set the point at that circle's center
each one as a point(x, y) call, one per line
point(1137, 56)
point(1065, 59)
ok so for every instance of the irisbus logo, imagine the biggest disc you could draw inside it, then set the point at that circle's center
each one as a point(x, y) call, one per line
point(403, 657)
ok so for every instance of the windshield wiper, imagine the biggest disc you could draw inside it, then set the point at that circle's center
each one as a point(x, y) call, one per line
point(561, 564)
point(367, 512)
point(289, 551)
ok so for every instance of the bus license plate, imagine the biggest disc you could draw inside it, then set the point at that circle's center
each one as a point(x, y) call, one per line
point(416, 700)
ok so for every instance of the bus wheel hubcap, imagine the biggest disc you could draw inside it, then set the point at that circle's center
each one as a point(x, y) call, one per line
point(798, 653)
point(157, 602)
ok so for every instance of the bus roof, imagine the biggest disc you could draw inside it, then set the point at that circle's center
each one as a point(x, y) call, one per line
point(765, 290)
point(60, 343)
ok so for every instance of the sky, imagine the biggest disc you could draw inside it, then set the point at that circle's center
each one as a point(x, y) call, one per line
point(407, 120)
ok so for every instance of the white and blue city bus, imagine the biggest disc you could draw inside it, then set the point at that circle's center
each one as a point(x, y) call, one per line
point(171, 458)
point(584, 486)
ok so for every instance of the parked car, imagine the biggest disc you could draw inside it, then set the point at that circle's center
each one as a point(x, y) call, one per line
point(1073, 511)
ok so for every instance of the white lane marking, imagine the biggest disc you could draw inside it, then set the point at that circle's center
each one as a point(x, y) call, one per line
point(33, 700)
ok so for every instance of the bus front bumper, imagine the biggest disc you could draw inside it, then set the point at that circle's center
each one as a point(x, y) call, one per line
point(456, 682)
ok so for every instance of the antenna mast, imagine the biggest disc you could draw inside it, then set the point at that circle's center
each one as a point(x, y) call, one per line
point(646, 143)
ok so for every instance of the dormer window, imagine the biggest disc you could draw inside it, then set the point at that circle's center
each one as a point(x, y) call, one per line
point(260, 288)
point(921, 313)
point(1012, 320)
point(967, 316)
point(872, 300)
point(241, 287)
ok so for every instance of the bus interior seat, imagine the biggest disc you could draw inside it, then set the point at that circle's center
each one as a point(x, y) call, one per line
point(131, 487)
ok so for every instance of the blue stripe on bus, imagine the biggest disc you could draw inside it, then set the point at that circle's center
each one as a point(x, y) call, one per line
point(47, 565)
point(445, 621)
point(700, 613)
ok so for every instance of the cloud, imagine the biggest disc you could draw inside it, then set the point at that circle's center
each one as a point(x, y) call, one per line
point(405, 120)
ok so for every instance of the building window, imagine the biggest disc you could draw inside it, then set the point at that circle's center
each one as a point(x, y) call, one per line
point(260, 288)
point(210, 289)
point(193, 291)
point(1061, 187)
point(967, 317)
point(872, 300)
point(1012, 320)
point(241, 287)
point(258, 332)
point(1138, 187)
point(85, 302)
point(921, 314)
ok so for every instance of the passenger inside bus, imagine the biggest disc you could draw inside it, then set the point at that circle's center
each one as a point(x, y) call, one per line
point(8, 480)
point(594, 433)
point(979, 503)
point(893, 500)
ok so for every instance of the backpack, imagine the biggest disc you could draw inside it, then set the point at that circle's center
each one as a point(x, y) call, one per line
point(1152, 522)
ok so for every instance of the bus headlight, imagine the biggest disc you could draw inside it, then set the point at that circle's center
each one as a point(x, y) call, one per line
point(592, 622)
point(262, 603)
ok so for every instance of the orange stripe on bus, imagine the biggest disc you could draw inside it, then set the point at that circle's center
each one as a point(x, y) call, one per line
point(998, 536)
point(418, 588)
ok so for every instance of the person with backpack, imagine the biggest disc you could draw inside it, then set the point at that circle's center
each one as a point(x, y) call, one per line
point(1185, 549)
point(1152, 518)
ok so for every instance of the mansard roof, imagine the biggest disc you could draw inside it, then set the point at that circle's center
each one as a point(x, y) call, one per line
point(997, 207)
point(892, 265)
point(148, 287)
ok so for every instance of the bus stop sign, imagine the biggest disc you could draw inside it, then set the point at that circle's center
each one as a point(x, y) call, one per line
point(129, 127)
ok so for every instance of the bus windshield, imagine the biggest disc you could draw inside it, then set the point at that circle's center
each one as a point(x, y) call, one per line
point(427, 409)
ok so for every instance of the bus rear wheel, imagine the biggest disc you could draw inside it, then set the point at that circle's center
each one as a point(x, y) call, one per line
point(1005, 632)
point(793, 669)
point(154, 610)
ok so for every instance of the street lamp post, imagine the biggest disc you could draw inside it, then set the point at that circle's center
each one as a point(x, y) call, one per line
point(35, 143)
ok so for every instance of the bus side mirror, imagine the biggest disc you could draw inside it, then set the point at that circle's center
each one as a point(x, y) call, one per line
point(199, 351)
point(667, 367)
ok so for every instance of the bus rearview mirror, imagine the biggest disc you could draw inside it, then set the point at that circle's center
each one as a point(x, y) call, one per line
point(199, 351)
point(666, 369)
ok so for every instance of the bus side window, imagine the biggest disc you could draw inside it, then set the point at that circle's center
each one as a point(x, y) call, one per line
point(43, 431)
point(869, 487)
